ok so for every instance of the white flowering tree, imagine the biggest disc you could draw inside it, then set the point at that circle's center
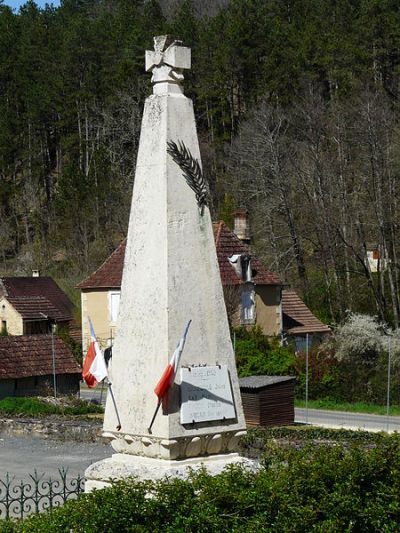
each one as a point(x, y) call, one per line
point(361, 344)
point(364, 338)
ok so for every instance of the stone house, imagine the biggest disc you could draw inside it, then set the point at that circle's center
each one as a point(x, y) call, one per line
point(26, 366)
point(253, 294)
point(30, 305)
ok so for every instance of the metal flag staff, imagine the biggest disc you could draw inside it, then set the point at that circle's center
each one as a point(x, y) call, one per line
point(107, 360)
point(168, 377)
point(114, 403)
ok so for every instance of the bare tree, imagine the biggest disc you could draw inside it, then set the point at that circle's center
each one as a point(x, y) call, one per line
point(267, 185)
point(232, 302)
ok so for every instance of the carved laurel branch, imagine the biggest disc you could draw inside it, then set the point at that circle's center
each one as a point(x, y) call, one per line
point(191, 172)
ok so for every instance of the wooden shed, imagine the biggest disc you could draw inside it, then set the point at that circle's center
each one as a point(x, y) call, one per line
point(26, 366)
point(268, 400)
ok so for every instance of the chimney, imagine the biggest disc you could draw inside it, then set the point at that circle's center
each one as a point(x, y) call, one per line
point(35, 273)
point(241, 225)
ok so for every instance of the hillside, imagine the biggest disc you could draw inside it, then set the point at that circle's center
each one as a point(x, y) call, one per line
point(297, 111)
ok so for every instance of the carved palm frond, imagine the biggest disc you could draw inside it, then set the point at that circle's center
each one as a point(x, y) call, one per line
point(191, 172)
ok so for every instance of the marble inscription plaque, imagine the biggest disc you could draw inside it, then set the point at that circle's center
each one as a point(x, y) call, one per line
point(206, 394)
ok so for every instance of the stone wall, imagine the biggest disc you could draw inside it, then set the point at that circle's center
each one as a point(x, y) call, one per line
point(53, 428)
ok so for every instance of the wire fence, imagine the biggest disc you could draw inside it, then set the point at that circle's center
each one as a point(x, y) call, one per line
point(21, 498)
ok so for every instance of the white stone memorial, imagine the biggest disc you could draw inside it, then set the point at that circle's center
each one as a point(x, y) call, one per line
point(170, 275)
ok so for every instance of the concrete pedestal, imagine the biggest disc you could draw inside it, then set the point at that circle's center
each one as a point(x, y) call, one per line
point(122, 466)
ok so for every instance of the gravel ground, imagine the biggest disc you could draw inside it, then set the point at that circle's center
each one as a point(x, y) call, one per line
point(20, 456)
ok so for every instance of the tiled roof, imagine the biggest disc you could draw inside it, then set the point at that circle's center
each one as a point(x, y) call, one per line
point(36, 307)
point(75, 332)
point(31, 355)
point(297, 318)
point(33, 296)
point(109, 274)
point(228, 244)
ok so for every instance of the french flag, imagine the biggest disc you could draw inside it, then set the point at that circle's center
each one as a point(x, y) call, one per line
point(168, 377)
point(94, 367)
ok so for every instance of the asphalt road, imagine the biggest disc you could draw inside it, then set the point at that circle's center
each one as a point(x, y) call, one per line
point(316, 417)
point(94, 394)
point(340, 419)
point(20, 456)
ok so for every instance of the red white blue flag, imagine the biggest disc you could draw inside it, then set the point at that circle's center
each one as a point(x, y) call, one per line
point(94, 367)
point(168, 376)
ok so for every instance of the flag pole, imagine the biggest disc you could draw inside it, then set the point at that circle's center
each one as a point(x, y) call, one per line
point(115, 405)
point(154, 416)
point(101, 392)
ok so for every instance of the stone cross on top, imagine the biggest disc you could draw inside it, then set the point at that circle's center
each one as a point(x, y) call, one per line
point(167, 62)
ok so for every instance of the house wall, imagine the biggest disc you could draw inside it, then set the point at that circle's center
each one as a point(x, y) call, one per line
point(7, 388)
point(268, 309)
point(67, 384)
point(12, 317)
point(96, 305)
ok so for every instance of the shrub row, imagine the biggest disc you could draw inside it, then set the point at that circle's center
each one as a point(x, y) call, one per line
point(312, 488)
point(26, 406)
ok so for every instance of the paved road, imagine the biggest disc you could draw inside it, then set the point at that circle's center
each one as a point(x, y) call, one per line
point(316, 417)
point(20, 456)
point(339, 419)
point(94, 394)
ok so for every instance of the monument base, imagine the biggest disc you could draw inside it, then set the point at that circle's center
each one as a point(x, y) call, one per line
point(121, 466)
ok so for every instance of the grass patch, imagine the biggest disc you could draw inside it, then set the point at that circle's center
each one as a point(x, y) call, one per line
point(26, 406)
point(357, 407)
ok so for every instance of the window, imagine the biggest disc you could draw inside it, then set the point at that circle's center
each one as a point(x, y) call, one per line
point(247, 312)
point(114, 306)
point(36, 327)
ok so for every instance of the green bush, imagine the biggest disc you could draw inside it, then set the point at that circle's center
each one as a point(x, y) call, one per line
point(314, 488)
point(256, 355)
point(25, 406)
point(301, 434)
point(325, 375)
point(73, 345)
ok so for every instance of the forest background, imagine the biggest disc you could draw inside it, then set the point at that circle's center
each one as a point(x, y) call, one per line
point(297, 107)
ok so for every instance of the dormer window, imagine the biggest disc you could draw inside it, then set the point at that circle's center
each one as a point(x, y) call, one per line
point(242, 265)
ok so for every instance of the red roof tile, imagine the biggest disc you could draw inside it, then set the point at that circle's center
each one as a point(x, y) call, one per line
point(36, 307)
point(75, 332)
point(297, 318)
point(33, 296)
point(109, 274)
point(31, 355)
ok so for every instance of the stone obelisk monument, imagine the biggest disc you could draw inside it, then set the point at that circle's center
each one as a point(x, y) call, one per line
point(170, 276)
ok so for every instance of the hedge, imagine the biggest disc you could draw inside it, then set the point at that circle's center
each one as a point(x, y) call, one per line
point(65, 406)
point(311, 488)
